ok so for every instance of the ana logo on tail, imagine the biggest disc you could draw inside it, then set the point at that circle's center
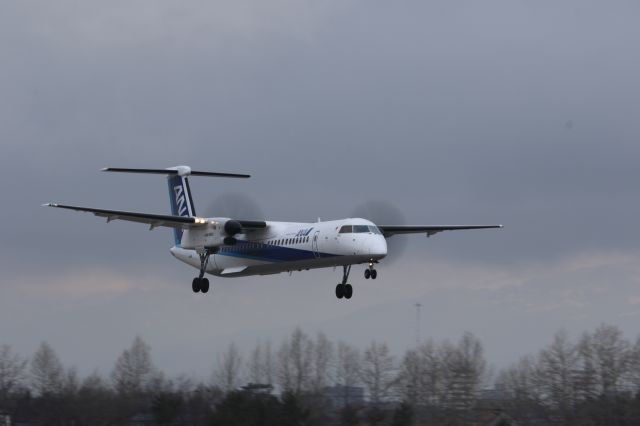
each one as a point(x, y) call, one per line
point(181, 202)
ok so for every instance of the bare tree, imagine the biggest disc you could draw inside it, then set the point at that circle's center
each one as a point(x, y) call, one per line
point(611, 355)
point(267, 363)
point(254, 364)
point(465, 366)
point(586, 376)
point(228, 369)
point(294, 362)
point(377, 372)
point(409, 380)
point(301, 351)
point(134, 370)
point(285, 373)
point(519, 380)
point(47, 372)
point(556, 373)
point(322, 358)
point(347, 370)
point(260, 364)
point(12, 371)
point(93, 383)
point(432, 381)
point(634, 364)
point(421, 379)
point(71, 381)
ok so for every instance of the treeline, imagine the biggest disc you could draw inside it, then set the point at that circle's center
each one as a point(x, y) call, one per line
point(312, 380)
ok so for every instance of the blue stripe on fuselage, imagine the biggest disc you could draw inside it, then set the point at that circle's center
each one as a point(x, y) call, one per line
point(269, 253)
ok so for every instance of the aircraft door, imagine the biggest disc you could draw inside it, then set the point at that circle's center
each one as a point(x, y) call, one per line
point(314, 245)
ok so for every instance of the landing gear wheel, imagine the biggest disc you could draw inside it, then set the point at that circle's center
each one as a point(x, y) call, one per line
point(204, 285)
point(201, 284)
point(374, 274)
point(344, 290)
point(367, 273)
point(348, 291)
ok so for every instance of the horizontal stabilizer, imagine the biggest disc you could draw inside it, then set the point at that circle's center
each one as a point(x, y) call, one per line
point(178, 170)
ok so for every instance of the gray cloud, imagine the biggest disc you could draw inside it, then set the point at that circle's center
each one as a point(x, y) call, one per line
point(522, 113)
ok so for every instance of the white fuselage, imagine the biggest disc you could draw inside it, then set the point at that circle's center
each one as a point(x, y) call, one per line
point(290, 246)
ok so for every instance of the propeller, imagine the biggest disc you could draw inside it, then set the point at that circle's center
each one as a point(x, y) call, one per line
point(385, 213)
point(235, 205)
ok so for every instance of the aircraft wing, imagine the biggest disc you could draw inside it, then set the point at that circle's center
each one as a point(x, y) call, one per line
point(389, 230)
point(155, 220)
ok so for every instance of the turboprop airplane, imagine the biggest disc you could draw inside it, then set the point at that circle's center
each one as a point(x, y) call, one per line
point(231, 247)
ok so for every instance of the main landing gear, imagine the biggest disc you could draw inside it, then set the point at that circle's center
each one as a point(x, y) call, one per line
point(370, 273)
point(344, 290)
point(201, 284)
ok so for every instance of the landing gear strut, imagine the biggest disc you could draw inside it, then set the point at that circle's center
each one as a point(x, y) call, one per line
point(370, 273)
point(201, 284)
point(344, 290)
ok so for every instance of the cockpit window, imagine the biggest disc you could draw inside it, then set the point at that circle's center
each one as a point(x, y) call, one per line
point(346, 229)
point(374, 229)
point(360, 228)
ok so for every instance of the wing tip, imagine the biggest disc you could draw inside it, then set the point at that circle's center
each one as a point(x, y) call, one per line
point(50, 205)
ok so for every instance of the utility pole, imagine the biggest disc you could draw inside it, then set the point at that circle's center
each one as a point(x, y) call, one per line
point(418, 306)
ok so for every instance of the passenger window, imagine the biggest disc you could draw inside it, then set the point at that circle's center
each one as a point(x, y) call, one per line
point(346, 229)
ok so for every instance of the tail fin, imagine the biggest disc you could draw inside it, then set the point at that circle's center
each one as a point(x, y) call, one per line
point(181, 201)
point(179, 190)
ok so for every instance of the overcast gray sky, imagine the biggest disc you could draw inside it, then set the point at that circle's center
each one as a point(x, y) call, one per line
point(525, 113)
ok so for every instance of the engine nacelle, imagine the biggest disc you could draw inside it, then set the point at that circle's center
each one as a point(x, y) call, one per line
point(232, 227)
point(216, 233)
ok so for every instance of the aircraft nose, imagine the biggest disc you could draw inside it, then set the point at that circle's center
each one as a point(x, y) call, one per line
point(378, 249)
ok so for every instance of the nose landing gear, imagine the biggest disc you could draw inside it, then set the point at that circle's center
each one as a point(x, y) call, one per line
point(370, 272)
point(199, 283)
point(344, 290)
